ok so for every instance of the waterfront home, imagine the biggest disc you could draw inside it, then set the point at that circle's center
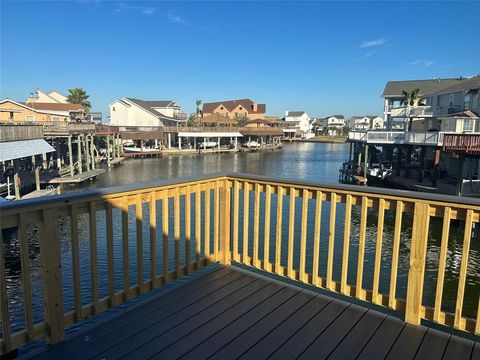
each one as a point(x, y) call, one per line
point(235, 109)
point(394, 107)
point(334, 124)
point(136, 112)
point(368, 122)
point(63, 110)
point(13, 111)
point(52, 97)
point(215, 120)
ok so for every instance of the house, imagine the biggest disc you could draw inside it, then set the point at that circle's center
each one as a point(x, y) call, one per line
point(368, 122)
point(13, 111)
point(136, 112)
point(241, 108)
point(334, 124)
point(394, 109)
point(70, 111)
point(300, 119)
point(52, 97)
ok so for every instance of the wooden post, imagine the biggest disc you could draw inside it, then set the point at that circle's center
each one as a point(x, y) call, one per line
point(416, 272)
point(458, 189)
point(436, 167)
point(350, 154)
point(16, 186)
point(70, 154)
point(92, 152)
point(365, 163)
point(37, 177)
point(225, 214)
point(79, 153)
point(108, 150)
point(87, 152)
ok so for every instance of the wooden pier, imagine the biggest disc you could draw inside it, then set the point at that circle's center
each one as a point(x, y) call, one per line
point(116, 161)
point(78, 178)
point(39, 193)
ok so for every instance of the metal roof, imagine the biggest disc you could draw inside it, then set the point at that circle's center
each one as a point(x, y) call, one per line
point(395, 88)
point(11, 150)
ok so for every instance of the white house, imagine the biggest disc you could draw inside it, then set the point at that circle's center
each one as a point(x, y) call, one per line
point(334, 124)
point(136, 112)
point(52, 97)
point(301, 120)
point(368, 122)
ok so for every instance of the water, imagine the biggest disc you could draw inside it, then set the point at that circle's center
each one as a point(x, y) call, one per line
point(305, 161)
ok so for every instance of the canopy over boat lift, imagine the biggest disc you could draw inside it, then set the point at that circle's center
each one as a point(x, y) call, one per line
point(205, 135)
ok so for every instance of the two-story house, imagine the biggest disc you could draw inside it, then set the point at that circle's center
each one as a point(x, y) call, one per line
point(368, 122)
point(235, 109)
point(13, 111)
point(301, 120)
point(135, 112)
point(334, 124)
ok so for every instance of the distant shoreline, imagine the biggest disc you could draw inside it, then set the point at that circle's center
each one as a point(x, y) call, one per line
point(326, 139)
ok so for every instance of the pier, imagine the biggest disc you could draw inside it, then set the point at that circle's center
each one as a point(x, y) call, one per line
point(77, 179)
point(221, 284)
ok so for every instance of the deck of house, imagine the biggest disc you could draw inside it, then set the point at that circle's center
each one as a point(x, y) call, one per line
point(229, 313)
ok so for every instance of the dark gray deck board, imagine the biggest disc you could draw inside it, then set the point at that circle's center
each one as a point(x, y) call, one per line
point(230, 314)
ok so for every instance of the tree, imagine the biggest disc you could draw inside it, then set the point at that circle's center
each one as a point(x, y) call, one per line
point(79, 96)
point(410, 98)
point(192, 119)
point(198, 102)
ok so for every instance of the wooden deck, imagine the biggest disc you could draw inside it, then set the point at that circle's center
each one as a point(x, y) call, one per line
point(78, 178)
point(227, 313)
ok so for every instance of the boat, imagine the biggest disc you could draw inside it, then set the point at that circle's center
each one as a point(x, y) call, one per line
point(379, 171)
point(252, 144)
point(207, 145)
point(134, 149)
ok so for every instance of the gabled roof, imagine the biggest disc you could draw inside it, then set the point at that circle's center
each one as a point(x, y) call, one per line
point(149, 106)
point(295, 113)
point(55, 106)
point(232, 104)
point(40, 111)
point(468, 84)
point(395, 88)
point(336, 116)
point(465, 113)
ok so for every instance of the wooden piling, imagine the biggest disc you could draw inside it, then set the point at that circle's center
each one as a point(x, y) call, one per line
point(92, 152)
point(37, 177)
point(79, 154)
point(70, 155)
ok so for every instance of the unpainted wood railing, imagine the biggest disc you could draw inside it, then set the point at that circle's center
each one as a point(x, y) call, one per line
point(313, 233)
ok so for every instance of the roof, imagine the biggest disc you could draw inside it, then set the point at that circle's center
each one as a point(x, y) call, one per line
point(217, 119)
point(261, 131)
point(232, 104)
point(258, 121)
point(465, 85)
point(19, 149)
point(54, 106)
point(336, 116)
point(295, 113)
point(149, 105)
point(465, 113)
point(395, 88)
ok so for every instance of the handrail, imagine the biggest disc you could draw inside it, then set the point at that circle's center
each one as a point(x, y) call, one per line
point(274, 225)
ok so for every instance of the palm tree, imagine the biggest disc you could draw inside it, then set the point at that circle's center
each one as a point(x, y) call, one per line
point(198, 102)
point(410, 98)
point(79, 96)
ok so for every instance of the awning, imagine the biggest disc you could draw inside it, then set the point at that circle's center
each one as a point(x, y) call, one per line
point(19, 149)
point(210, 134)
point(289, 130)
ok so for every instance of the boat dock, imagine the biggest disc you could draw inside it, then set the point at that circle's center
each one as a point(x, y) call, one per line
point(78, 178)
point(116, 161)
point(39, 193)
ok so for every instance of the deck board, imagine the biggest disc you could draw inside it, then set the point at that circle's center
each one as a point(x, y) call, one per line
point(232, 313)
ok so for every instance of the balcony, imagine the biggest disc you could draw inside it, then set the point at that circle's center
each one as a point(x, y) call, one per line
point(415, 111)
point(434, 138)
point(78, 255)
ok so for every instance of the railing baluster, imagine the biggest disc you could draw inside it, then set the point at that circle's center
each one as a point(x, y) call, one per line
point(378, 252)
point(225, 218)
point(463, 268)
point(198, 225)
point(188, 228)
point(165, 231)
point(331, 240)
point(256, 225)
point(392, 302)
point(75, 262)
point(207, 223)
point(176, 230)
point(316, 237)
point(291, 233)
point(93, 256)
point(278, 232)
point(246, 211)
point(266, 239)
point(216, 220)
point(303, 236)
point(27, 286)
point(110, 256)
point(236, 198)
point(346, 244)
point(139, 231)
point(477, 323)
point(125, 249)
point(442, 259)
point(359, 293)
point(153, 239)
point(6, 339)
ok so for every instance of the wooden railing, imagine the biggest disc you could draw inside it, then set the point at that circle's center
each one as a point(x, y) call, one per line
point(11, 132)
point(462, 143)
point(366, 243)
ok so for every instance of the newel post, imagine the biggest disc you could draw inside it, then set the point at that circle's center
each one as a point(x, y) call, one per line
point(416, 273)
point(52, 277)
point(225, 214)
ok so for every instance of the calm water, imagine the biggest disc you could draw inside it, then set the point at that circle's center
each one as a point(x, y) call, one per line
point(306, 161)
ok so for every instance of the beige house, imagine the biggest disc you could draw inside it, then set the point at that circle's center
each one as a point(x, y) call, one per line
point(241, 108)
point(12, 111)
point(52, 97)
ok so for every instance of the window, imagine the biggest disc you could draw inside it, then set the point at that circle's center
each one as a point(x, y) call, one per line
point(11, 115)
point(466, 102)
point(30, 118)
point(113, 108)
point(241, 108)
point(467, 124)
point(55, 118)
point(221, 107)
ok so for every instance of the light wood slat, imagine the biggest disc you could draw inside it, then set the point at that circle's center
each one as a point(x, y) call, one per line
point(477, 324)
point(246, 213)
point(346, 244)
point(225, 219)
point(139, 231)
point(94, 256)
point(378, 252)
point(359, 293)
point(176, 231)
point(395, 252)
point(207, 223)
point(125, 249)
point(216, 220)
point(236, 200)
point(303, 236)
point(278, 232)
point(198, 224)
point(26, 282)
point(6, 334)
point(165, 232)
point(463, 268)
point(256, 225)
point(188, 227)
point(75, 262)
point(153, 240)
point(266, 238)
point(110, 255)
point(291, 233)
point(331, 240)
point(442, 259)
point(316, 237)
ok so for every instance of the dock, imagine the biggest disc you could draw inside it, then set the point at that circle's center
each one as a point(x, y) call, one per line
point(78, 178)
point(117, 160)
point(39, 193)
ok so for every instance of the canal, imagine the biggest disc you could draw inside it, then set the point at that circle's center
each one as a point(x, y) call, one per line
point(306, 161)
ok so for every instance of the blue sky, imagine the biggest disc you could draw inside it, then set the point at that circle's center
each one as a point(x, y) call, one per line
point(322, 57)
